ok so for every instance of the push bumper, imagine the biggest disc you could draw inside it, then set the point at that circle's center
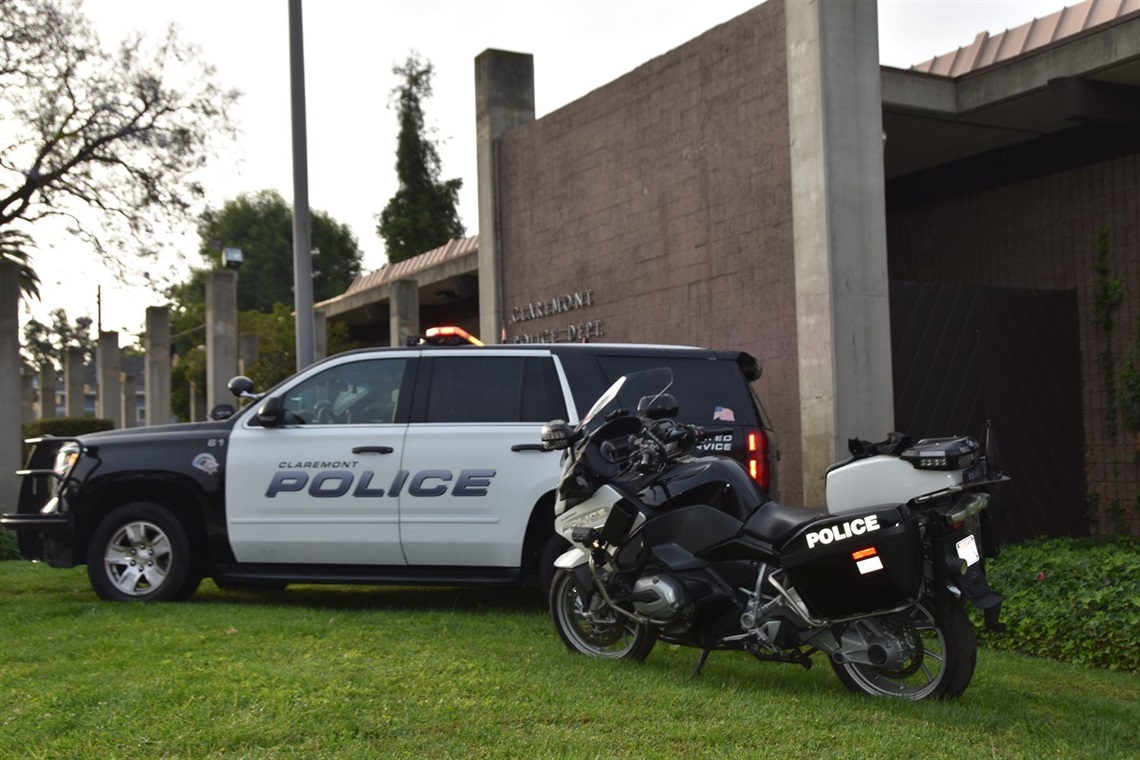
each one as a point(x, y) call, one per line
point(54, 523)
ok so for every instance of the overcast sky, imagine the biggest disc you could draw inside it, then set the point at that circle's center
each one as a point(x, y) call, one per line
point(350, 48)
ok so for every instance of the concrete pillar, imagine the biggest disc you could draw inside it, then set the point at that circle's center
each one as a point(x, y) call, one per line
point(221, 335)
point(404, 311)
point(156, 381)
point(108, 404)
point(839, 229)
point(320, 335)
point(504, 99)
point(129, 401)
point(249, 348)
point(198, 407)
point(27, 398)
point(10, 435)
point(73, 382)
point(49, 379)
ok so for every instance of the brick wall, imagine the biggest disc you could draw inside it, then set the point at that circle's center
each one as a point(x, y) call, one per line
point(1042, 233)
point(666, 192)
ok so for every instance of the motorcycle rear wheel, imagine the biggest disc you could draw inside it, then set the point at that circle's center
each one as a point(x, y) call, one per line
point(588, 626)
point(946, 652)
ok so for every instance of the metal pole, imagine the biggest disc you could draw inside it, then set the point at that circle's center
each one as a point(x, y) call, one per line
point(302, 233)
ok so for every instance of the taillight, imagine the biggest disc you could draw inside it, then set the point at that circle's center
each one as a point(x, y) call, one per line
point(758, 459)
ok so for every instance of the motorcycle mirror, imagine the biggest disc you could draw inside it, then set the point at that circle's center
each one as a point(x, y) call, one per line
point(556, 435)
point(658, 407)
point(993, 456)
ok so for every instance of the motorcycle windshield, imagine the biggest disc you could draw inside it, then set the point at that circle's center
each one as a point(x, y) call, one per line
point(624, 395)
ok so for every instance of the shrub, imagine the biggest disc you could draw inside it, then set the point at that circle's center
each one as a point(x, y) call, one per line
point(63, 426)
point(8, 548)
point(1076, 600)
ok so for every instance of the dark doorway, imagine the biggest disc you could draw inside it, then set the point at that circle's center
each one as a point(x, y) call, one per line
point(964, 355)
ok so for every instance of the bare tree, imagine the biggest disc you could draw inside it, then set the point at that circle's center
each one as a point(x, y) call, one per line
point(107, 142)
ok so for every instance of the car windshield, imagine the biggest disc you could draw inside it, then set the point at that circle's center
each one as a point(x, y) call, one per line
point(625, 394)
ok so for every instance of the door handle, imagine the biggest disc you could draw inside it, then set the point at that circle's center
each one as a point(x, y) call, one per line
point(528, 447)
point(373, 450)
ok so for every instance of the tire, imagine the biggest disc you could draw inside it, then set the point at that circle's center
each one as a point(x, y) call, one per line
point(555, 547)
point(589, 627)
point(943, 667)
point(142, 552)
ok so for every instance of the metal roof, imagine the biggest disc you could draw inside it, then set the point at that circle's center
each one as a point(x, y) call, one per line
point(1067, 22)
point(453, 249)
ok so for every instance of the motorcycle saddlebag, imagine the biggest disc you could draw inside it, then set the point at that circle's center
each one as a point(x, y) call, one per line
point(856, 562)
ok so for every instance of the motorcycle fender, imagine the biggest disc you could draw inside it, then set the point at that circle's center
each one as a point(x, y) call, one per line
point(976, 589)
point(572, 558)
point(577, 561)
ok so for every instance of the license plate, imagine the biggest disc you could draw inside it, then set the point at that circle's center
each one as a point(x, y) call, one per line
point(968, 550)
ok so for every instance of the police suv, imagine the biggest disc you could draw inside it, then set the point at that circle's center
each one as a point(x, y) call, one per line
point(415, 465)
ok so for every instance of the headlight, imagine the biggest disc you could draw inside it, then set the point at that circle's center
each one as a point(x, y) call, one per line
point(65, 459)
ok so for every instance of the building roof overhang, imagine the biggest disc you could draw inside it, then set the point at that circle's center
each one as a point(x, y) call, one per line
point(1092, 77)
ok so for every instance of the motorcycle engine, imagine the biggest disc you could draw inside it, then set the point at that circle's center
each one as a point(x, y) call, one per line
point(660, 597)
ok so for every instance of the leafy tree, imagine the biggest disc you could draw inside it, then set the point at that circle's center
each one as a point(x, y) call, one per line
point(422, 214)
point(48, 343)
point(261, 225)
point(14, 246)
point(107, 142)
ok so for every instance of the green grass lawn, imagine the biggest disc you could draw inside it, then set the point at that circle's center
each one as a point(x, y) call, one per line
point(370, 672)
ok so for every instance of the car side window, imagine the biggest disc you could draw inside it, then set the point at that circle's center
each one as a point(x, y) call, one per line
point(358, 393)
point(494, 389)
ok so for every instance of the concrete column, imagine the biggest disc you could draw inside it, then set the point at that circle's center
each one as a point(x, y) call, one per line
point(504, 99)
point(49, 379)
point(10, 435)
point(108, 404)
point(198, 407)
point(73, 382)
point(221, 335)
point(320, 335)
point(404, 311)
point(839, 228)
point(129, 401)
point(249, 348)
point(156, 381)
point(27, 398)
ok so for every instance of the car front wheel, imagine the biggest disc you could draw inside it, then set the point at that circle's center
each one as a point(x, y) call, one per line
point(141, 552)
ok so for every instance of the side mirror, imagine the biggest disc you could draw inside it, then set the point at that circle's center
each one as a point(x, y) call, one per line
point(269, 413)
point(241, 386)
point(658, 407)
point(556, 435)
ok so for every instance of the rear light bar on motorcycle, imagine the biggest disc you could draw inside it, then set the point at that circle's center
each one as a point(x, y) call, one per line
point(758, 459)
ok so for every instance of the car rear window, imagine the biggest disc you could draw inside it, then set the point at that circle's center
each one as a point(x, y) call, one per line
point(708, 391)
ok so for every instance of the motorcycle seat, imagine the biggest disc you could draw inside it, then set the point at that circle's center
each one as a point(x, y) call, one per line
point(773, 522)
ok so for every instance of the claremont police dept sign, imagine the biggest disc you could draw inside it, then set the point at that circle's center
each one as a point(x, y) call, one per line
point(574, 333)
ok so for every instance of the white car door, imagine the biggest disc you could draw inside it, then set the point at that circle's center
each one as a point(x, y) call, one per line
point(473, 452)
point(323, 485)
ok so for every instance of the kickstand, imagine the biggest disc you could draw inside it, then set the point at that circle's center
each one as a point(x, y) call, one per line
point(700, 663)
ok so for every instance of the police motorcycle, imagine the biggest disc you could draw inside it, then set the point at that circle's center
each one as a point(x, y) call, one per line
point(689, 549)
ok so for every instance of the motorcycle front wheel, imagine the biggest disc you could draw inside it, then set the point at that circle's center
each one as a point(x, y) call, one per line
point(943, 653)
point(589, 626)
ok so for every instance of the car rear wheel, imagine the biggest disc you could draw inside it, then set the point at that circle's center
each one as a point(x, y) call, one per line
point(141, 552)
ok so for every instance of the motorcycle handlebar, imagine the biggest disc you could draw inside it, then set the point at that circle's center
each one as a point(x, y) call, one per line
point(703, 432)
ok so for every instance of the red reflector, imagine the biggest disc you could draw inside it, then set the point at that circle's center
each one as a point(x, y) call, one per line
point(864, 553)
